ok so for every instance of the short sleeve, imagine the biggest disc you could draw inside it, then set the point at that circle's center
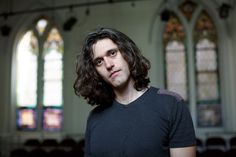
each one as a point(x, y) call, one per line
point(182, 132)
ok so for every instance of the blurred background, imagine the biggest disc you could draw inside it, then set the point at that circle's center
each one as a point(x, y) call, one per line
point(191, 45)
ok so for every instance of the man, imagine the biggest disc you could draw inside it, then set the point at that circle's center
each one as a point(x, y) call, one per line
point(131, 119)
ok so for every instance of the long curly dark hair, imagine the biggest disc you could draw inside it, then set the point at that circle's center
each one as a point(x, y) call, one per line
point(90, 84)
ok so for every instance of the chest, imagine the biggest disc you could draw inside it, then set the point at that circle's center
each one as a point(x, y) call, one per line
point(132, 131)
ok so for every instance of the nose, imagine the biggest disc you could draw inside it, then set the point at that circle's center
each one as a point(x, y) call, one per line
point(108, 63)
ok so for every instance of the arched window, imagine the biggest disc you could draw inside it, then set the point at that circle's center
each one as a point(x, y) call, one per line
point(39, 76)
point(192, 63)
point(175, 57)
point(207, 73)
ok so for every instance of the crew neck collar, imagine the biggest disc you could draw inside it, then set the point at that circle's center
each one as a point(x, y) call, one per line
point(134, 101)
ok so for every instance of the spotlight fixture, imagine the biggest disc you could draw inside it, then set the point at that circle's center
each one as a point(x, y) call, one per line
point(87, 12)
point(110, 1)
point(133, 4)
point(165, 15)
point(5, 30)
point(224, 10)
point(67, 26)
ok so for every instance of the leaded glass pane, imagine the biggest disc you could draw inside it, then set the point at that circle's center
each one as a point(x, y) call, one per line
point(188, 8)
point(41, 25)
point(209, 115)
point(207, 86)
point(174, 30)
point(54, 42)
point(52, 119)
point(176, 68)
point(26, 56)
point(53, 70)
point(52, 93)
point(26, 119)
point(205, 28)
point(206, 55)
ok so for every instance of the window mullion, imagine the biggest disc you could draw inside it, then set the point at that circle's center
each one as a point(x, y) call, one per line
point(40, 85)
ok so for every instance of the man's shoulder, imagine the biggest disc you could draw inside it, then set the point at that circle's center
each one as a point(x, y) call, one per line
point(167, 93)
point(96, 113)
point(98, 109)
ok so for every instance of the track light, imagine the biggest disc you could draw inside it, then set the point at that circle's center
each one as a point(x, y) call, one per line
point(224, 10)
point(133, 4)
point(67, 26)
point(110, 1)
point(87, 11)
point(5, 30)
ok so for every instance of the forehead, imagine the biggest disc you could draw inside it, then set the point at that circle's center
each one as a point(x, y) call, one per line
point(101, 47)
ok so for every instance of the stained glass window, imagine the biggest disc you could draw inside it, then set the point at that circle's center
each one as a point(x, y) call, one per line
point(206, 65)
point(53, 69)
point(34, 94)
point(188, 7)
point(27, 65)
point(175, 57)
point(41, 25)
point(26, 119)
point(197, 31)
point(52, 119)
point(207, 76)
point(52, 97)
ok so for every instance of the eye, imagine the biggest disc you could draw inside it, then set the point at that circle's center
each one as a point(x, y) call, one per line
point(113, 53)
point(98, 62)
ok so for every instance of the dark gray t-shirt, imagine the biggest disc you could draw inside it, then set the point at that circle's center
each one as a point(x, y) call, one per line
point(147, 127)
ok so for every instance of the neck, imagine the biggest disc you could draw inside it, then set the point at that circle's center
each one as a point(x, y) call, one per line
point(127, 94)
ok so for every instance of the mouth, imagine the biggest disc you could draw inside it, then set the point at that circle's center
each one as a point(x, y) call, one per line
point(113, 73)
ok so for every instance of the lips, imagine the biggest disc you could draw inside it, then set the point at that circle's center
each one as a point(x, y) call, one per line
point(113, 73)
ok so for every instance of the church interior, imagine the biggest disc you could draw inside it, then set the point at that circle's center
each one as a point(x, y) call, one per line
point(191, 45)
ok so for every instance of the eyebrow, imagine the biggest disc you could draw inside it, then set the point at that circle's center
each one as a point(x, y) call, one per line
point(107, 53)
point(114, 49)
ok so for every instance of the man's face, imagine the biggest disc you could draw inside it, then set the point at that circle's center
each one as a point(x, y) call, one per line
point(110, 64)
